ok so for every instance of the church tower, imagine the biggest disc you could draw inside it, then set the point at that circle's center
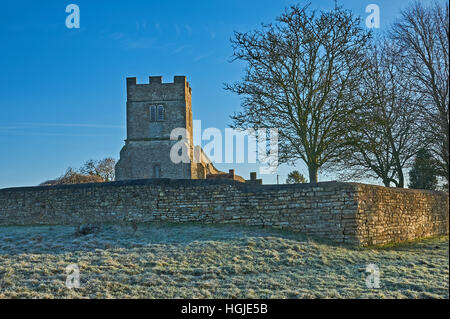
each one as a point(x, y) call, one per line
point(153, 111)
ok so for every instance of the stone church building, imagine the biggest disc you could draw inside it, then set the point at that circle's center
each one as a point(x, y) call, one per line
point(153, 111)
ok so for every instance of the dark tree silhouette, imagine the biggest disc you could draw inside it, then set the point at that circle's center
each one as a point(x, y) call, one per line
point(423, 173)
point(295, 177)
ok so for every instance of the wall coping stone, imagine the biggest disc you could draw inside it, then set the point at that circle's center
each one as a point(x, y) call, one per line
point(176, 183)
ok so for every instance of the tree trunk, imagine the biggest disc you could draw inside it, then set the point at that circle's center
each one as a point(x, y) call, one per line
point(313, 173)
point(401, 178)
point(445, 172)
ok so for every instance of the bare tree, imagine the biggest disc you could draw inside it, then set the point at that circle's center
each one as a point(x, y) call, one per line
point(384, 136)
point(423, 34)
point(91, 172)
point(300, 75)
point(71, 176)
point(103, 168)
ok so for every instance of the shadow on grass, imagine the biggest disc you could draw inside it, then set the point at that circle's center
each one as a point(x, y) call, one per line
point(59, 239)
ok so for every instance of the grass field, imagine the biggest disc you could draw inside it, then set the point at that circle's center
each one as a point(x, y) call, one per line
point(205, 261)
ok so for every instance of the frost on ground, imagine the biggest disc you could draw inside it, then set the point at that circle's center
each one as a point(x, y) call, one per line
point(205, 261)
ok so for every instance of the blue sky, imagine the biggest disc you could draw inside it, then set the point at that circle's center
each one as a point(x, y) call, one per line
point(62, 91)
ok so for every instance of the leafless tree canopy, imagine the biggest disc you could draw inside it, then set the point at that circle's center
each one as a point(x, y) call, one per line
point(91, 172)
point(103, 168)
point(384, 135)
point(344, 102)
point(423, 35)
point(71, 176)
point(300, 75)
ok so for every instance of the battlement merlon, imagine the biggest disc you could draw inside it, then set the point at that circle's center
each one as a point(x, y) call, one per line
point(177, 79)
point(179, 88)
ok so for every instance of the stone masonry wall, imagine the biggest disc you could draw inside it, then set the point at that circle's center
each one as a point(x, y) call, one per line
point(390, 215)
point(343, 212)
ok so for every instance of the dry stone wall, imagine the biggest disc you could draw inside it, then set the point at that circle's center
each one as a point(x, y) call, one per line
point(390, 215)
point(343, 212)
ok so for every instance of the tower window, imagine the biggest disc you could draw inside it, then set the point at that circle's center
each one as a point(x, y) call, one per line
point(153, 113)
point(157, 171)
point(160, 112)
point(156, 113)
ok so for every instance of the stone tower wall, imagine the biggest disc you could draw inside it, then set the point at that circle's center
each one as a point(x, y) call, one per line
point(147, 147)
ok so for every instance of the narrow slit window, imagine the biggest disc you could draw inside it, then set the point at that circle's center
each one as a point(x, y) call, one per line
point(156, 171)
point(153, 113)
point(160, 112)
